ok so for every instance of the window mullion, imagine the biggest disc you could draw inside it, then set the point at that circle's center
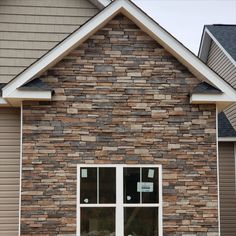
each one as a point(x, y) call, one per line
point(78, 202)
point(141, 180)
point(119, 202)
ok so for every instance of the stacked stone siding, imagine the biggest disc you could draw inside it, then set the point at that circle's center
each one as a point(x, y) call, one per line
point(119, 98)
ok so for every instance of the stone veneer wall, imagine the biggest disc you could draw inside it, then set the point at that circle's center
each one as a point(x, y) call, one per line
point(119, 98)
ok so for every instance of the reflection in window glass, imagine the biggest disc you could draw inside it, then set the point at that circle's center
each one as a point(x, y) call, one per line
point(150, 176)
point(107, 185)
point(88, 185)
point(141, 221)
point(97, 221)
point(131, 179)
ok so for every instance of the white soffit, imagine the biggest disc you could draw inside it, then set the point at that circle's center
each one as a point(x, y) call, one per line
point(129, 9)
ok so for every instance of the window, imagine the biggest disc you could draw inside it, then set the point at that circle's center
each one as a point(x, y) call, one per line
point(119, 200)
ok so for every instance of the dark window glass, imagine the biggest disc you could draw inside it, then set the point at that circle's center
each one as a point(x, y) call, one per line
point(141, 221)
point(107, 185)
point(88, 185)
point(150, 178)
point(97, 221)
point(131, 179)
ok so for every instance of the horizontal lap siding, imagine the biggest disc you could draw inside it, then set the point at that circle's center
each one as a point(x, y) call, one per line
point(220, 63)
point(9, 171)
point(227, 189)
point(29, 28)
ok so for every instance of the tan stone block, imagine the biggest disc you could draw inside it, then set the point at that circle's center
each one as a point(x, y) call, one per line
point(88, 138)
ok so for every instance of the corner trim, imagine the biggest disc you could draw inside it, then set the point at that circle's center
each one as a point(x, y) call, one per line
point(21, 157)
point(218, 172)
point(227, 139)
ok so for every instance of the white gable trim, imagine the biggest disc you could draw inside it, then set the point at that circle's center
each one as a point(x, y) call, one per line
point(206, 44)
point(194, 64)
point(227, 139)
point(206, 98)
point(100, 3)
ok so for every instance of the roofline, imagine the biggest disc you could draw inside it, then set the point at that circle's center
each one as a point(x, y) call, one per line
point(100, 3)
point(147, 24)
point(205, 45)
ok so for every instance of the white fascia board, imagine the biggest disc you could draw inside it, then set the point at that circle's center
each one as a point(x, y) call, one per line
point(221, 47)
point(194, 64)
point(100, 3)
point(208, 98)
point(205, 46)
point(227, 139)
point(3, 102)
point(30, 95)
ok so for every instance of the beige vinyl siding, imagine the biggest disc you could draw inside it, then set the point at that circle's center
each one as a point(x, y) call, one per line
point(9, 171)
point(227, 189)
point(221, 64)
point(29, 28)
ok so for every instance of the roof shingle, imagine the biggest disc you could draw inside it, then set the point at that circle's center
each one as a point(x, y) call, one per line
point(226, 36)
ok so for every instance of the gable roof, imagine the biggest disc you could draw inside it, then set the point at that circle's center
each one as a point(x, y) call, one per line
point(224, 36)
point(148, 25)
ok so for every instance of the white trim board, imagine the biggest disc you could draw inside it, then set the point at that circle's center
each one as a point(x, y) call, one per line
point(227, 139)
point(148, 25)
point(218, 173)
point(119, 204)
point(100, 3)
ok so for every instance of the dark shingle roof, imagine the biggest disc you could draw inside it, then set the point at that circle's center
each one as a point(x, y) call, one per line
point(1, 86)
point(205, 88)
point(226, 36)
point(225, 129)
point(35, 84)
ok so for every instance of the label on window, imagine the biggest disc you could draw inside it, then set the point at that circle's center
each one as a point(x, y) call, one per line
point(84, 173)
point(145, 187)
point(151, 173)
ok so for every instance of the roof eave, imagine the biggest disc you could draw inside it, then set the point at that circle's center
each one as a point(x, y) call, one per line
point(148, 25)
point(100, 3)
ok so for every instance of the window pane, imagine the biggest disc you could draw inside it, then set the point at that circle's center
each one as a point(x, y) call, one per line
point(88, 185)
point(107, 185)
point(141, 221)
point(97, 221)
point(131, 179)
point(150, 178)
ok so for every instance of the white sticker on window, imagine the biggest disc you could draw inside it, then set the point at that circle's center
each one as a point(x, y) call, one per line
point(151, 173)
point(84, 173)
point(145, 187)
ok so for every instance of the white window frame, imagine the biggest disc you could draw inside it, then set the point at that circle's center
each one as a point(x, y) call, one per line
point(119, 205)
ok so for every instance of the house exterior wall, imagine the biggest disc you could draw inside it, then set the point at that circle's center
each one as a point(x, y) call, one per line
point(9, 171)
point(227, 189)
point(29, 28)
point(220, 63)
point(119, 98)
